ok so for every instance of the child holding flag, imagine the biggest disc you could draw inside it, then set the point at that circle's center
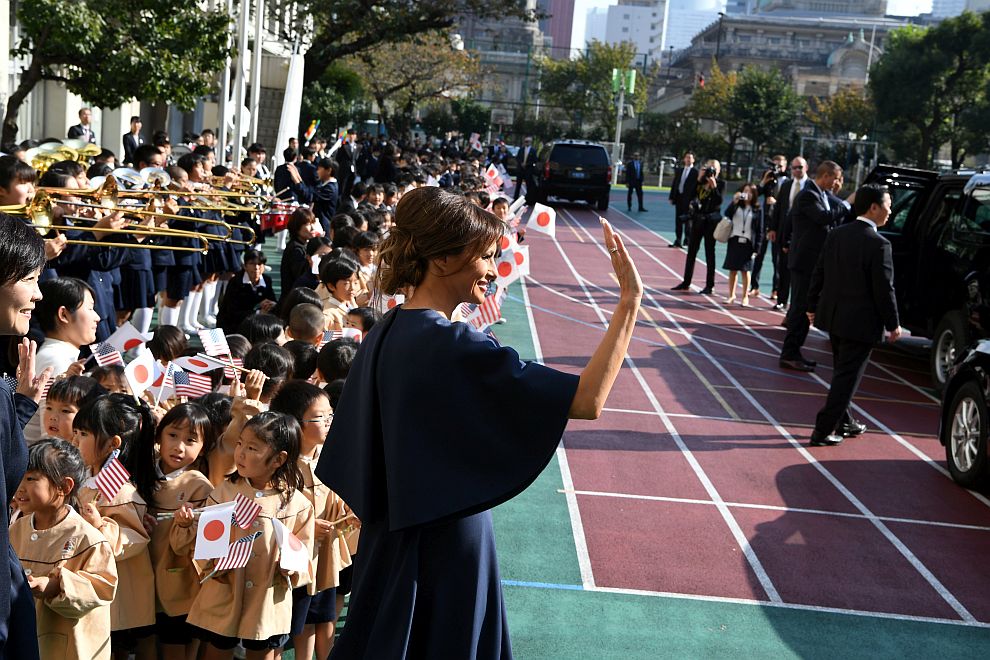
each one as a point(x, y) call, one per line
point(173, 477)
point(252, 603)
point(108, 432)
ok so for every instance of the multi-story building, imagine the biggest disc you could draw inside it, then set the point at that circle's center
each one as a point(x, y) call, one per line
point(947, 8)
point(556, 28)
point(640, 22)
point(687, 18)
point(978, 5)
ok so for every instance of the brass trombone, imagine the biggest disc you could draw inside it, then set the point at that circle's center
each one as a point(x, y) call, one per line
point(39, 215)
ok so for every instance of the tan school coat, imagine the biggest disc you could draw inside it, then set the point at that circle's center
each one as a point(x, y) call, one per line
point(176, 579)
point(75, 624)
point(331, 552)
point(123, 527)
point(253, 602)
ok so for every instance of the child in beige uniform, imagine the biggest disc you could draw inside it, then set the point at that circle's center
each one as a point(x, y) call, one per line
point(69, 564)
point(114, 423)
point(253, 604)
point(174, 477)
point(314, 611)
point(338, 291)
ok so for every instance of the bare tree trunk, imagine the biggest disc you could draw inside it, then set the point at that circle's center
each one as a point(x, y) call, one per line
point(30, 78)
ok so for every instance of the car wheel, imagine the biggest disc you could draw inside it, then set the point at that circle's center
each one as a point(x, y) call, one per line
point(966, 440)
point(603, 203)
point(951, 338)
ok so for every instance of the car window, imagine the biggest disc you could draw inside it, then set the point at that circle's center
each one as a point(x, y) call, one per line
point(903, 201)
point(975, 212)
point(573, 154)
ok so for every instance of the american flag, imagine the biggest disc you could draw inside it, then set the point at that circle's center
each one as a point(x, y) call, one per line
point(105, 354)
point(466, 309)
point(191, 385)
point(214, 341)
point(229, 372)
point(111, 478)
point(46, 387)
point(245, 511)
point(328, 336)
point(238, 554)
point(489, 311)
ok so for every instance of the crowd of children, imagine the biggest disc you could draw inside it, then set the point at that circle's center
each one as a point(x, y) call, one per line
point(115, 573)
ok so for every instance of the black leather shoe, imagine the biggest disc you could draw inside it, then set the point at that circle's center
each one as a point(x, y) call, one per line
point(822, 440)
point(810, 363)
point(642, 210)
point(706, 291)
point(852, 429)
point(674, 245)
point(796, 365)
point(681, 287)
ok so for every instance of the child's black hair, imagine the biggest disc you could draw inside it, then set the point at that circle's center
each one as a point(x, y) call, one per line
point(333, 390)
point(334, 270)
point(296, 397)
point(118, 414)
point(76, 390)
point(304, 356)
point(218, 407)
point(260, 328)
point(336, 358)
point(58, 459)
point(146, 477)
point(297, 296)
point(314, 244)
point(68, 292)
point(369, 317)
point(167, 343)
point(281, 433)
point(272, 360)
point(109, 371)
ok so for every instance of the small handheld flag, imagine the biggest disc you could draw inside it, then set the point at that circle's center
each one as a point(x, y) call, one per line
point(213, 531)
point(238, 554)
point(200, 364)
point(543, 219)
point(293, 553)
point(214, 341)
point(192, 385)
point(111, 478)
point(141, 373)
point(126, 337)
point(245, 511)
point(105, 354)
point(489, 311)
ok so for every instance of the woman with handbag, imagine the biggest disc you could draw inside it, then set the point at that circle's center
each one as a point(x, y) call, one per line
point(744, 240)
point(705, 215)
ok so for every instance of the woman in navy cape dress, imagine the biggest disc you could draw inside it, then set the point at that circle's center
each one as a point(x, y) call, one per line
point(437, 424)
point(22, 257)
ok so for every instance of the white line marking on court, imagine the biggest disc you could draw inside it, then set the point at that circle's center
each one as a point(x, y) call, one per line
point(733, 525)
point(577, 529)
point(929, 577)
point(772, 507)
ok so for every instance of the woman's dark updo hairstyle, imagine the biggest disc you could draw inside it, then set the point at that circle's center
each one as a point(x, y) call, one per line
point(22, 250)
point(431, 223)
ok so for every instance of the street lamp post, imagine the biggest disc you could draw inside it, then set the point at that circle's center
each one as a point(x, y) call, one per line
point(718, 37)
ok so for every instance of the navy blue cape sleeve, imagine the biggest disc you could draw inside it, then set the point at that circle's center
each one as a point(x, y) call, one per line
point(438, 421)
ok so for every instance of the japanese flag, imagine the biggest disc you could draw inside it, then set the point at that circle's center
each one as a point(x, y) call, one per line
point(506, 270)
point(521, 256)
point(293, 553)
point(141, 373)
point(213, 531)
point(200, 364)
point(542, 219)
point(127, 337)
point(493, 177)
point(164, 385)
point(386, 303)
point(518, 204)
point(507, 242)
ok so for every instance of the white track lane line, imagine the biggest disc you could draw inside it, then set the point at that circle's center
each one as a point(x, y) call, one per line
point(923, 570)
point(862, 411)
point(577, 529)
point(733, 525)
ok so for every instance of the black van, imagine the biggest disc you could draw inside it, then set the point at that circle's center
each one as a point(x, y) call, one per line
point(939, 230)
point(575, 170)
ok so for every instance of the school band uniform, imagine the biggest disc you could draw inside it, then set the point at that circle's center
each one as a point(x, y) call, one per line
point(137, 279)
point(252, 603)
point(132, 613)
point(185, 272)
point(293, 264)
point(176, 580)
point(75, 623)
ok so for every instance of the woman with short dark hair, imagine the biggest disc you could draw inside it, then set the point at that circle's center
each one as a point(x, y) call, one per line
point(22, 256)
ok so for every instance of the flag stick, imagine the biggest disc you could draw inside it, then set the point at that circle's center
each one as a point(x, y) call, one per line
point(212, 573)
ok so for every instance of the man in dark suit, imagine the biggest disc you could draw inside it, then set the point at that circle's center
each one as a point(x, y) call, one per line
point(84, 129)
point(346, 157)
point(779, 227)
point(132, 140)
point(288, 181)
point(811, 219)
point(852, 298)
point(525, 169)
point(682, 191)
point(634, 180)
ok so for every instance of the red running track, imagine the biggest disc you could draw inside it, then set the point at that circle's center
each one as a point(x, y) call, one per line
point(698, 478)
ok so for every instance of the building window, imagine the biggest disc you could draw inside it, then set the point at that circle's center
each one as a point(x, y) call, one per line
point(625, 29)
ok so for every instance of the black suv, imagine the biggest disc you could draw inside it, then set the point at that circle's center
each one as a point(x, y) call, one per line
point(575, 170)
point(939, 229)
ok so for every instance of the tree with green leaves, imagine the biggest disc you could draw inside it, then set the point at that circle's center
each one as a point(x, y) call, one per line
point(333, 99)
point(765, 105)
point(111, 51)
point(344, 28)
point(581, 88)
point(927, 80)
point(402, 76)
point(847, 111)
point(713, 101)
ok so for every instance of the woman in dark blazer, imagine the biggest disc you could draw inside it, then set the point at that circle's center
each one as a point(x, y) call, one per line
point(301, 228)
point(746, 238)
point(249, 289)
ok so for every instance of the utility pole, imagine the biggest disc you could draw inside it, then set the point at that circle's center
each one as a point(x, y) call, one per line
point(224, 99)
point(259, 22)
point(621, 79)
point(718, 37)
point(239, 84)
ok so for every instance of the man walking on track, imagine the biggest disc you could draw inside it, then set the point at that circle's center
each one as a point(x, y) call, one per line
point(852, 298)
point(634, 181)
